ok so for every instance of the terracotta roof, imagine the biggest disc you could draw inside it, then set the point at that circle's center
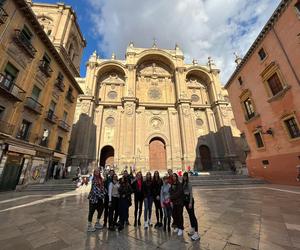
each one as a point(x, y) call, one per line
point(268, 26)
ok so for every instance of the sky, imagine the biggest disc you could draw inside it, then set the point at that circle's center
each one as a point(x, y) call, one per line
point(201, 28)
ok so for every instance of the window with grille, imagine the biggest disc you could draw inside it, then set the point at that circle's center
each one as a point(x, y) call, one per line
point(292, 127)
point(259, 140)
point(262, 54)
point(250, 112)
point(275, 84)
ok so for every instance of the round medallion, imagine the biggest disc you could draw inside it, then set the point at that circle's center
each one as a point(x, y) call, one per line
point(156, 123)
point(199, 122)
point(154, 93)
point(112, 94)
point(110, 121)
point(195, 98)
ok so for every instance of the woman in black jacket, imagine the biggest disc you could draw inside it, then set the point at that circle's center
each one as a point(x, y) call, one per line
point(157, 184)
point(137, 187)
point(177, 201)
point(125, 191)
point(148, 199)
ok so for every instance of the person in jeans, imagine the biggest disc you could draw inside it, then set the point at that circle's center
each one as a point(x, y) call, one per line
point(157, 183)
point(166, 203)
point(137, 187)
point(148, 199)
point(113, 202)
point(96, 197)
point(176, 196)
point(189, 205)
point(124, 201)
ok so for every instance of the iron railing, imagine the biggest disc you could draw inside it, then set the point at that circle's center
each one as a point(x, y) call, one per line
point(45, 68)
point(34, 105)
point(11, 88)
point(22, 41)
point(63, 125)
point(60, 84)
point(51, 117)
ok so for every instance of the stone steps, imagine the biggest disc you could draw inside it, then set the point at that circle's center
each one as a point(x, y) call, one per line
point(53, 185)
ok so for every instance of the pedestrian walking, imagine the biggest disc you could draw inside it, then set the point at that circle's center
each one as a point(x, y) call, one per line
point(166, 203)
point(157, 183)
point(137, 187)
point(113, 202)
point(148, 200)
point(96, 197)
point(124, 201)
point(189, 204)
point(176, 196)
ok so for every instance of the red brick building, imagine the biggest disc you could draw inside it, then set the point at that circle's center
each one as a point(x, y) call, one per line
point(265, 94)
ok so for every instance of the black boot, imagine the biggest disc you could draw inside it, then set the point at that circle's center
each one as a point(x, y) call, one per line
point(139, 222)
point(165, 224)
point(135, 224)
point(169, 225)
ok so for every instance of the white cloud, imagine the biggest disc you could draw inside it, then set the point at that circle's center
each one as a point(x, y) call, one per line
point(202, 28)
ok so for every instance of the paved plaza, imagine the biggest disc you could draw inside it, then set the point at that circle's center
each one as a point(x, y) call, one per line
point(254, 217)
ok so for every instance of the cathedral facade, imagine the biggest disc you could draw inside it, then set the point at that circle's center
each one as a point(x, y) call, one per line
point(154, 112)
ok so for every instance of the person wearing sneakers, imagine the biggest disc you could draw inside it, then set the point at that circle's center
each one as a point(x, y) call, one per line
point(157, 183)
point(189, 205)
point(113, 202)
point(96, 197)
point(124, 201)
point(166, 203)
point(176, 196)
point(137, 187)
point(148, 199)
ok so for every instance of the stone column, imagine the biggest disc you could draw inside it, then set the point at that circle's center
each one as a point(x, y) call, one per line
point(98, 123)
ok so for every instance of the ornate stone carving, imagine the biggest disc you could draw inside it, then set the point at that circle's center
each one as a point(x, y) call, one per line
point(154, 93)
point(129, 109)
point(153, 70)
point(185, 111)
point(195, 98)
point(156, 123)
point(199, 122)
point(112, 95)
point(233, 123)
point(113, 78)
point(85, 108)
point(110, 121)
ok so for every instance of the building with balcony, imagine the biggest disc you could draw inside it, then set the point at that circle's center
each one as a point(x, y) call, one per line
point(38, 93)
point(264, 91)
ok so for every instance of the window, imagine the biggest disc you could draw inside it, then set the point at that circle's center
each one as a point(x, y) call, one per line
point(35, 93)
point(46, 61)
point(250, 112)
point(275, 84)
point(10, 74)
point(65, 115)
point(297, 6)
point(292, 127)
point(262, 54)
point(49, 32)
point(45, 138)
point(26, 33)
point(24, 130)
point(258, 140)
point(51, 109)
point(59, 143)
point(60, 77)
point(240, 80)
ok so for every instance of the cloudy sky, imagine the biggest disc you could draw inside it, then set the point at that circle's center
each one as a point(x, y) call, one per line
point(202, 28)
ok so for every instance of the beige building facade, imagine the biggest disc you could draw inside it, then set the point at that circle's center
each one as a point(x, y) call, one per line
point(153, 111)
point(38, 94)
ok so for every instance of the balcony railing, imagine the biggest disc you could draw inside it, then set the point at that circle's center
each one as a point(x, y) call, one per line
point(11, 89)
point(45, 68)
point(70, 97)
point(63, 125)
point(33, 105)
point(44, 143)
point(60, 85)
point(51, 117)
point(22, 41)
point(24, 137)
point(3, 16)
point(6, 128)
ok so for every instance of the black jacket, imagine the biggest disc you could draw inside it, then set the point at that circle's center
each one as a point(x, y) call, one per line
point(148, 188)
point(137, 193)
point(177, 194)
point(157, 187)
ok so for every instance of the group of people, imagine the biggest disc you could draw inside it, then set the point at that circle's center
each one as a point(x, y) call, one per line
point(113, 196)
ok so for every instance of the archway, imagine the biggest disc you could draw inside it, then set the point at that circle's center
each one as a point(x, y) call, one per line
point(157, 154)
point(205, 157)
point(107, 156)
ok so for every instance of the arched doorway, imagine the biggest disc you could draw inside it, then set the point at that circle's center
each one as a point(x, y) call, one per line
point(107, 156)
point(157, 154)
point(205, 157)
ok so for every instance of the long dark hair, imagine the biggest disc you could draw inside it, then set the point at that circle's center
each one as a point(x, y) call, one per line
point(156, 177)
point(177, 179)
point(150, 179)
point(185, 182)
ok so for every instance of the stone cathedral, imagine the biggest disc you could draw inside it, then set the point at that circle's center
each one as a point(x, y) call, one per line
point(154, 112)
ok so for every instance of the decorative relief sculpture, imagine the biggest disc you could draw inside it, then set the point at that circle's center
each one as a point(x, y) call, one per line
point(110, 121)
point(185, 111)
point(129, 109)
point(199, 122)
point(112, 95)
point(195, 98)
point(154, 93)
point(156, 123)
point(85, 108)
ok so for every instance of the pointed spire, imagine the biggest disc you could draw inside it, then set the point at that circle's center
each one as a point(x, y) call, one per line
point(154, 45)
point(195, 61)
point(113, 56)
point(238, 59)
point(131, 44)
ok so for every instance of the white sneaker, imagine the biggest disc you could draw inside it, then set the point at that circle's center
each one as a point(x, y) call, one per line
point(180, 232)
point(91, 228)
point(191, 232)
point(146, 225)
point(196, 236)
point(176, 230)
point(98, 225)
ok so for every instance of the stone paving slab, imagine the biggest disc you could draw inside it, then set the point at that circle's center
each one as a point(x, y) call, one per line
point(257, 217)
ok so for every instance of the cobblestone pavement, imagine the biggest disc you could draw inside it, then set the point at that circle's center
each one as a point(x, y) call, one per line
point(256, 217)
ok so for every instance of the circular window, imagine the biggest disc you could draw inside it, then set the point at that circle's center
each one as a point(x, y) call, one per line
point(154, 93)
point(110, 121)
point(195, 98)
point(199, 122)
point(112, 94)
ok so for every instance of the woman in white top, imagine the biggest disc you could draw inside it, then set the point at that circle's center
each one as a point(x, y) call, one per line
point(113, 198)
